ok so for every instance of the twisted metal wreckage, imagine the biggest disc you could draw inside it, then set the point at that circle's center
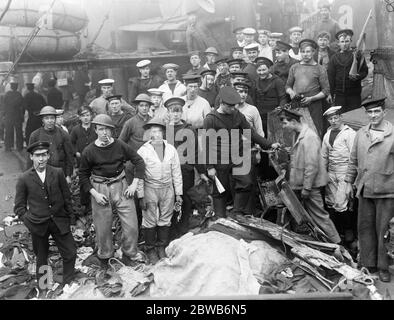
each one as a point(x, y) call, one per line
point(303, 266)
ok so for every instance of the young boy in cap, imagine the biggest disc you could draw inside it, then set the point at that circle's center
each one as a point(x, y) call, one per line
point(60, 120)
point(61, 151)
point(172, 87)
point(307, 171)
point(196, 108)
point(283, 61)
point(370, 170)
point(34, 102)
point(346, 89)
point(235, 65)
point(117, 115)
point(83, 134)
point(336, 148)
point(295, 38)
point(43, 203)
point(144, 82)
point(100, 104)
point(210, 55)
point(219, 163)
point(223, 74)
point(102, 174)
point(133, 131)
point(208, 90)
point(157, 109)
point(159, 190)
point(178, 134)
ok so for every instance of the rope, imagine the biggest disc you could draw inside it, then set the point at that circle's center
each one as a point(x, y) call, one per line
point(32, 35)
point(5, 9)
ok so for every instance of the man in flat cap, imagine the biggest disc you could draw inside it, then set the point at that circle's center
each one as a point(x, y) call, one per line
point(172, 87)
point(211, 55)
point(222, 166)
point(157, 109)
point(196, 108)
point(237, 53)
point(295, 34)
point(13, 109)
point(117, 115)
point(195, 61)
point(208, 90)
point(43, 203)
point(239, 37)
point(223, 74)
point(160, 189)
point(283, 61)
point(370, 170)
point(307, 171)
point(346, 89)
point(144, 81)
point(336, 148)
point(34, 102)
point(100, 104)
point(102, 174)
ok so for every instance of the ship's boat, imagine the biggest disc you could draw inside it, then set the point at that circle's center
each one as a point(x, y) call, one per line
point(62, 16)
point(48, 44)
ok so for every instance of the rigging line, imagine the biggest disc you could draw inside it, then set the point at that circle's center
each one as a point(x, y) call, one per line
point(5, 9)
point(32, 35)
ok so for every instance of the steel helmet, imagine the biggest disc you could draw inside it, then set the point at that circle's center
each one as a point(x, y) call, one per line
point(48, 111)
point(104, 120)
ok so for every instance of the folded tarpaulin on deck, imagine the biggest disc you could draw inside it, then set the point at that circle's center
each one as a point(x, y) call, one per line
point(158, 24)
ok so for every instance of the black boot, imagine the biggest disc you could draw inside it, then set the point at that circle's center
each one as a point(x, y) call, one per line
point(163, 235)
point(150, 243)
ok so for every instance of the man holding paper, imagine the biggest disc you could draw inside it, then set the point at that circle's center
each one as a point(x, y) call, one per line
point(228, 138)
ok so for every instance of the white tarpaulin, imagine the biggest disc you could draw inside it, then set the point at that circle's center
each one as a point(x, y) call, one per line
point(213, 264)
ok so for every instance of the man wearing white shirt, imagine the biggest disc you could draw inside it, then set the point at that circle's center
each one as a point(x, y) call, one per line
point(172, 87)
point(196, 108)
point(265, 49)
